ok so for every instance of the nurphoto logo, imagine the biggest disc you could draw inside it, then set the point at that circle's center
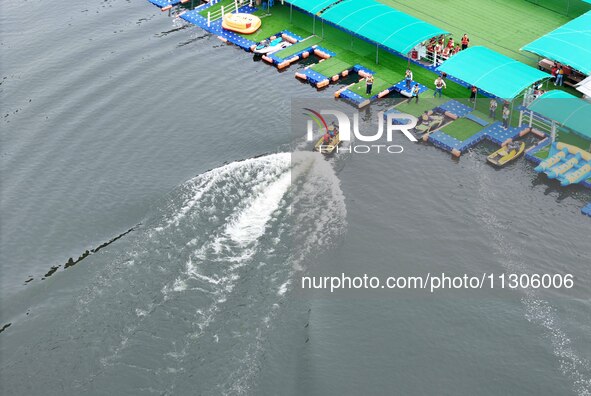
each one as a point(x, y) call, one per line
point(342, 129)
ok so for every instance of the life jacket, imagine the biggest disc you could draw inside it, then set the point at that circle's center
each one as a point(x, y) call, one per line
point(465, 40)
point(326, 138)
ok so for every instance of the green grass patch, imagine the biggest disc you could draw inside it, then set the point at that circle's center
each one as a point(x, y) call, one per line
point(378, 86)
point(274, 22)
point(331, 66)
point(462, 129)
point(216, 7)
point(571, 8)
point(543, 153)
point(297, 47)
point(426, 102)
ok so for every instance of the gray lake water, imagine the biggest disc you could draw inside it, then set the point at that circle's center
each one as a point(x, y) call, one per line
point(116, 117)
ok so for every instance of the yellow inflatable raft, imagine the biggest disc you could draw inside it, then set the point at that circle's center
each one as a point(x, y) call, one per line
point(241, 23)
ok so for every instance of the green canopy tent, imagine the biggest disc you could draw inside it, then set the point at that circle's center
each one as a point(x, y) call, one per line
point(492, 72)
point(313, 7)
point(565, 109)
point(372, 21)
point(381, 24)
point(569, 44)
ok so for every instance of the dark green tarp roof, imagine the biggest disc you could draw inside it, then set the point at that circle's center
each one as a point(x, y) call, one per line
point(566, 109)
point(569, 44)
point(492, 72)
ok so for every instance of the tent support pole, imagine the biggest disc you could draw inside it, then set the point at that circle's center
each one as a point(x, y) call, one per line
point(531, 118)
point(520, 117)
point(553, 136)
point(290, 12)
point(314, 25)
point(377, 54)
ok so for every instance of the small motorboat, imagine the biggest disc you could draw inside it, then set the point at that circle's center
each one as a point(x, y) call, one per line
point(270, 46)
point(506, 154)
point(329, 147)
point(241, 23)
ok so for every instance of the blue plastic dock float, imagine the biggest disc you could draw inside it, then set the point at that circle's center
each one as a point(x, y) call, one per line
point(215, 27)
point(477, 120)
point(401, 88)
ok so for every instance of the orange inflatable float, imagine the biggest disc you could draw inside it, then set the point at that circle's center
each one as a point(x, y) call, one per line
point(241, 23)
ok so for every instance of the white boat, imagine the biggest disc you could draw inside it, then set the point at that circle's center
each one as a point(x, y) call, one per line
point(268, 47)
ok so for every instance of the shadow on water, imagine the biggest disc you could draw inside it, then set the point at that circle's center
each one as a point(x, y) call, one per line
point(191, 41)
point(166, 33)
point(71, 262)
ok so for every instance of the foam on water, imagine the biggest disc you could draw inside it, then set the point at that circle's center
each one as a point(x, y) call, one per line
point(210, 270)
point(537, 310)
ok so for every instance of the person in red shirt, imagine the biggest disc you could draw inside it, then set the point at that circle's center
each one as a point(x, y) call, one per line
point(450, 43)
point(438, 48)
point(431, 45)
point(554, 72)
point(465, 41)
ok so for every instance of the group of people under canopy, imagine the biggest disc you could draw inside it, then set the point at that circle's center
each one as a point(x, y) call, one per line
point(437, 49)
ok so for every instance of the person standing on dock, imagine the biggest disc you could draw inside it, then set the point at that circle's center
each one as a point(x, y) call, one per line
point(506, 113)
point(415, 93)
point(408, 79)
point(473, 92)
point(439, 85)
point(368, 84)
point(465, 41)
point(492, 109)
